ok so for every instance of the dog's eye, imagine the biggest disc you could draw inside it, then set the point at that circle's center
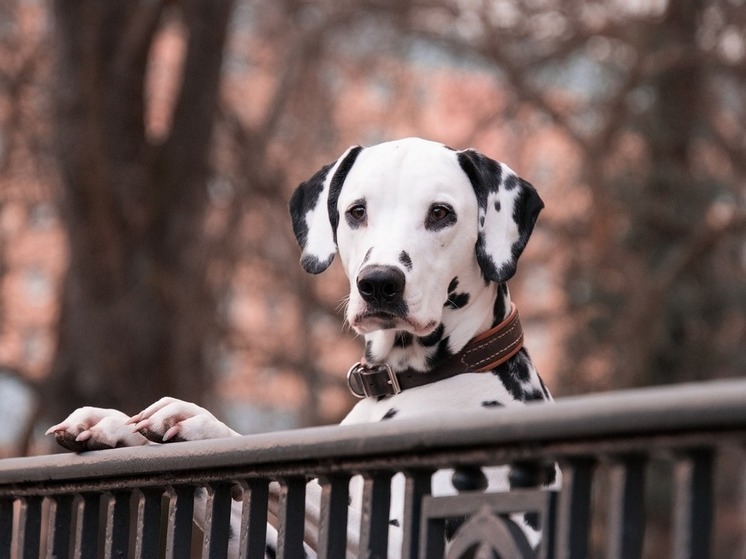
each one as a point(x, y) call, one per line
point(439, 213)
point(357, 213)
point(439, 216)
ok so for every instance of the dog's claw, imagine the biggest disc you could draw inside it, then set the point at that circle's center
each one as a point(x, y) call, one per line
point(84, 436)
point(54, 429)
point(171, 433)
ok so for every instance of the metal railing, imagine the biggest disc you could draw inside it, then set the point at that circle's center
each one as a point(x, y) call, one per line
point(651, 472)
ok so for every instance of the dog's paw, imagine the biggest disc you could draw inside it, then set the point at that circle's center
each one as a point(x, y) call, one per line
point(172, 420)
point(91, 428)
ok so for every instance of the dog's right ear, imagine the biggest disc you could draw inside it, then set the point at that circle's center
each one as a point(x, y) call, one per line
point(313, 210)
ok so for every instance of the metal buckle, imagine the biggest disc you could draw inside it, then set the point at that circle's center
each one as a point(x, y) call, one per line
point(360, 370)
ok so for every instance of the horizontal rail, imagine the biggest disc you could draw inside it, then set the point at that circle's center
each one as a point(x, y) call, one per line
point(702, 407)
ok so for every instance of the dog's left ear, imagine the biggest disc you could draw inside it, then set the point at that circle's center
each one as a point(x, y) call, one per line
point(313, 210)
point(508, 208)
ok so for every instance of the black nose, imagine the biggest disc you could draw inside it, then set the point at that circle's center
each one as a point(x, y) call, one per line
point(381, 284)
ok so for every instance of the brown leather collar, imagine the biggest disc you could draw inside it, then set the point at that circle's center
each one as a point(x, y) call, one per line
point(483, 353)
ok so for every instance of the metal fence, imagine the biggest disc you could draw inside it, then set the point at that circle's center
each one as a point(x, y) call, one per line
point(653, 473)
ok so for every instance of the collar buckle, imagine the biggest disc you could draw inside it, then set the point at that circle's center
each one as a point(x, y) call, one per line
point(372, 380)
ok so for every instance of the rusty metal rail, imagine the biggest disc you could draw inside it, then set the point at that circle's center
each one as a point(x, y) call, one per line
point(644, 473)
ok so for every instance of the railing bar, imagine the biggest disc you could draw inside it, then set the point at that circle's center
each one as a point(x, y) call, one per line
point(432, 531)
point(116, 542)
point(86, 528)
point(627, 512)
point(374, 532)
point(254, 519)
point(148, 529)
point(179, 529)
point(291, 518)
point(693, 504)
point(6, 526)
point(218, 521)
point(573, 517)
point(60, 525)
point(30, 527)
point(418, 484)
point(335, 493)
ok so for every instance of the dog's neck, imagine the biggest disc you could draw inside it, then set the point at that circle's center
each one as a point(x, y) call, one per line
point(469, 311)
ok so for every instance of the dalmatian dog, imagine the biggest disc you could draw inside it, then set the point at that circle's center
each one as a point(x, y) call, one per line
point(428, 237)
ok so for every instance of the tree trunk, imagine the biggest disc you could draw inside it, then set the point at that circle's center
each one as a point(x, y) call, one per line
point(675, 205)
point(138, 314)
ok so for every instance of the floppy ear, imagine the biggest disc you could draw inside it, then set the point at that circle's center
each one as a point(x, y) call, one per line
point(313, 210)
point(508, 208)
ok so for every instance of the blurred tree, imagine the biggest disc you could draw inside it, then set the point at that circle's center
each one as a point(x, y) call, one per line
point(176, 219)
point(652, 95)
point(138, 310)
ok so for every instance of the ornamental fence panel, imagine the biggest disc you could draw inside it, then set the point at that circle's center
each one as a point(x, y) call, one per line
point(656, 472)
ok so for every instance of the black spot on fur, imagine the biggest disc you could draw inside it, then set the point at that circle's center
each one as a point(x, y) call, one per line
point(498, 207)
point(394, 522)
point(457, 301)
point(486, 263)
point(305, 198)
point(511, 181)
point(270, 552)
point(434, 337)
point(484, 174)
point(336, 187)
point(389, 414)
point(441, 353)
point(533, 395)
point(499, 309)
point(313, 265)
point(403, 339)
point(405, 260)
point(369, 351)
point(492, 404)
point(367, 255)
point(515, 374)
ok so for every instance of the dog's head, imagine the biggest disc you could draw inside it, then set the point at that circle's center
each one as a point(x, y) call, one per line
point(407, 218)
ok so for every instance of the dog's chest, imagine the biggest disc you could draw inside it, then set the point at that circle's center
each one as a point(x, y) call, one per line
point(462, 393)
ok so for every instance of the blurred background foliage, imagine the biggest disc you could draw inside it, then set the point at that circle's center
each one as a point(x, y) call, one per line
point(148, 149)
